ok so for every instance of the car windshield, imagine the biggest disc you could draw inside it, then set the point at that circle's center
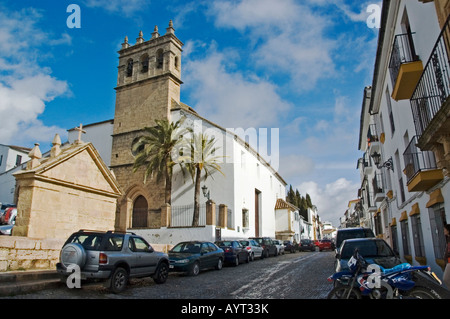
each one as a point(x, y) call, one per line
point(368, 248)
point(353, 233)
point(88, 241)
point(245, 242)
point(225, 243)
point(187, 248)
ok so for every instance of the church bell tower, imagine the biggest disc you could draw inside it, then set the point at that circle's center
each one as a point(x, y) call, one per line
point(148, 84)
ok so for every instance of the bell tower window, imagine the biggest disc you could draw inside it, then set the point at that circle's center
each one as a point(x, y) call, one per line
point(159, 59)
point(130, 67)
point(144, 63)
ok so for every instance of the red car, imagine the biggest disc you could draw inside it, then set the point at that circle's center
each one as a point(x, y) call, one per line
point(325, 244)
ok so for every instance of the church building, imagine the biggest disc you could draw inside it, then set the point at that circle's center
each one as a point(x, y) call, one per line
point(239, 203)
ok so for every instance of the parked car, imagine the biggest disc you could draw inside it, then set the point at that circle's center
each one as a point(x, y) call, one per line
point(254, 249)
point(306, 244)
point(10, 218)
point(280, 246)
point(235, 253)
point(267, 244)
point(112, 257)
point(325, 244)
point(348, 233)
point(290, 246)
point(6, 213)
point(192, 256)
point(374, 250)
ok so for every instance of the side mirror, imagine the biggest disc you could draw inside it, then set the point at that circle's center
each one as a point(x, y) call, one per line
point(338, 256)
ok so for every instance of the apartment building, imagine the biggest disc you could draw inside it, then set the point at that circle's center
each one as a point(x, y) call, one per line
point(405, 131)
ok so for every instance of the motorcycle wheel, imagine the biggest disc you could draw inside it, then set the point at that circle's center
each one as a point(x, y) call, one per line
point(341, 292)
point(423, 293)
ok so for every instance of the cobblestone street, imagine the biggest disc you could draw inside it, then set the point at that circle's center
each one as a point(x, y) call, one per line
point(291, 276)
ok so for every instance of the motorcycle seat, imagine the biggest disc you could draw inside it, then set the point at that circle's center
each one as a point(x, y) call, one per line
point(395, 269)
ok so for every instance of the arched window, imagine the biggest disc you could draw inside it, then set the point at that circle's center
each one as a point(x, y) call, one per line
point(159, 59)
point(130, 67)
point(144, 63)
point(177, 62)
point(140, 212)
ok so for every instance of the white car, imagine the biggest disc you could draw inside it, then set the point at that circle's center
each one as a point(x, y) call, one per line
point(254, 249)
point(280, 246)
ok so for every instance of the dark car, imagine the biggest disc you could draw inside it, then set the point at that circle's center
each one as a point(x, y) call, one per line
point(234, 252)
point(306, 244)
point(349, 233)
point(374, 250)
point(192, 256)
point(269, 246)
point(290, 246)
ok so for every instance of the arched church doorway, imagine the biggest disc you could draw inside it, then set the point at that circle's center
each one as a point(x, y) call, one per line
point(140, 212)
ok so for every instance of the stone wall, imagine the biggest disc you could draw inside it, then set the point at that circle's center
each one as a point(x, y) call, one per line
point(23, 253)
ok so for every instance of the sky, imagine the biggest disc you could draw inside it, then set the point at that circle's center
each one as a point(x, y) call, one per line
point(299, 66)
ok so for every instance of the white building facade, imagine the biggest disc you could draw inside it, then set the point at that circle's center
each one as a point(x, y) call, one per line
point(405, 189)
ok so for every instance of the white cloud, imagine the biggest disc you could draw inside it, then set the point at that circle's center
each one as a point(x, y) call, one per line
point(127, 7)
point(289, 38)
point(25, 86)
point(332, 199)
point(229, 98)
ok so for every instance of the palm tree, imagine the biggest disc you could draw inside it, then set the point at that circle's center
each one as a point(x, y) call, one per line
point(200, 157)
point(154, 151)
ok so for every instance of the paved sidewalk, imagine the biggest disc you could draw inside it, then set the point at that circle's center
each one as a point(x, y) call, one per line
point(20, 282)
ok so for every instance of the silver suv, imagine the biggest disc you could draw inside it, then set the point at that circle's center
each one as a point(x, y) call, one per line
point(112, 256)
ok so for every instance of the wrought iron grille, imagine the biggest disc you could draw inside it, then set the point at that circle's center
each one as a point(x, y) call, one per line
point(402, 52)
point(433, 88)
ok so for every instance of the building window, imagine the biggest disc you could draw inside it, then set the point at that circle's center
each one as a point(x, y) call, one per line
point(405, 237)
point(437, 222)
point(144, 63)
point(159, 59)
point(130, 67)
point(391, 114)
point(416, 226)
point(394, 239)
point(245, 218)
point(18, 160)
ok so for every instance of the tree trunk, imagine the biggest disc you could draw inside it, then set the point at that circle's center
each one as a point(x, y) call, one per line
point(196, 217)
point(168, 190)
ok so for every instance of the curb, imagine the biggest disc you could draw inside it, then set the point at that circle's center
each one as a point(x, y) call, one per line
point(21, 282)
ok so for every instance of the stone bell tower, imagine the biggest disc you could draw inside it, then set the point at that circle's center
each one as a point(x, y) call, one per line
point(148, 84)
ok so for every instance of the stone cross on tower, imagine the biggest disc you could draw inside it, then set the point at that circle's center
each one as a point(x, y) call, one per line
point(80, 130)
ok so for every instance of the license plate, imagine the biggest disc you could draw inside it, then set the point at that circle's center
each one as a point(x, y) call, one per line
point(171, 266)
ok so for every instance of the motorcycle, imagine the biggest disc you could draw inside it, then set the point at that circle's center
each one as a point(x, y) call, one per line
point(376, 282)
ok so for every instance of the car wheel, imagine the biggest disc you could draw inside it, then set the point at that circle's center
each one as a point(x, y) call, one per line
point(252, 256)
point(266, 254)
point(248, 259)
point(162, 273)
point(119, 280)
point(195, 269)
point(236, 261)
point(219, 264)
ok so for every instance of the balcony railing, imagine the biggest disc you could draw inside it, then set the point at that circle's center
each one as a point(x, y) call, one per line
point(433, 88)
point(402, 52)
point(417, 160)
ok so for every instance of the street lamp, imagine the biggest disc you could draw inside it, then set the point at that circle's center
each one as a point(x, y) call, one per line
point(206, 192)
point(389, 164)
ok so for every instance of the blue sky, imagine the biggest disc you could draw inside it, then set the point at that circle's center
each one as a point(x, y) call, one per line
point(300, 66)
